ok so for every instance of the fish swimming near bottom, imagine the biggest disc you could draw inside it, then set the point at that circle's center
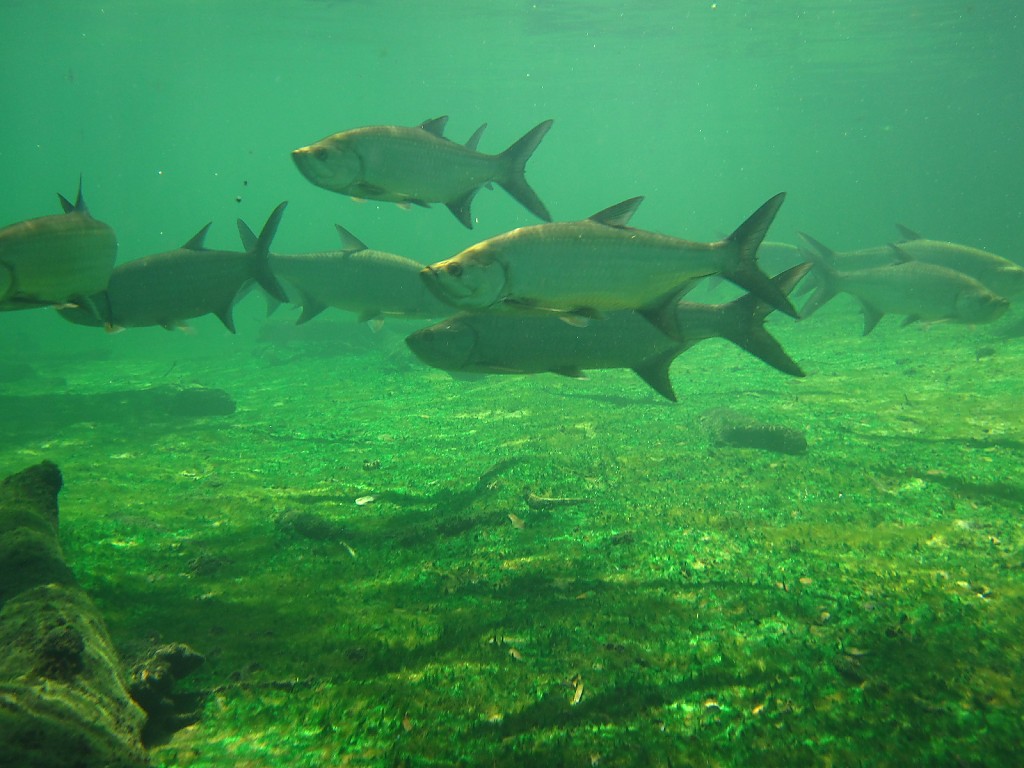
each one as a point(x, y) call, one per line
point(373, 284)
point(915, 289)
point(510, 343)
point(55, 260)
point(170, 288)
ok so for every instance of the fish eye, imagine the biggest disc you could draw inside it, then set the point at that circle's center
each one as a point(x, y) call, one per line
point(320, 154)
point(454, 269)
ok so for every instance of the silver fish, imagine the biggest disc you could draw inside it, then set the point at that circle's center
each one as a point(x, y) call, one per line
point(917, 290)
point(55, 260)
point(514, 343)
point(589, 267)
point(996, 273)
point(420, 166)
point(373, 284)
point(169, 288)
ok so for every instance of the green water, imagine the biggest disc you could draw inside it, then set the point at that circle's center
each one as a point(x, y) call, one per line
point(860, 604)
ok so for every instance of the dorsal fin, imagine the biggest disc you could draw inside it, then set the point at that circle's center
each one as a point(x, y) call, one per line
point(902, 257)
point(435, 125)
point(474, 140)
point(907, 233)
point(79, 206)
point(196, 243)
point(349, 242)
point(619, 214)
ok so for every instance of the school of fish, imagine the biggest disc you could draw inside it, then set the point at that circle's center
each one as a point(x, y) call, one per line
point(561, 296)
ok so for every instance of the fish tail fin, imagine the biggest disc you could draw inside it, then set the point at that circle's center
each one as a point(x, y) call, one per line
point(745, 272)
point(826, 287)
point(249, 241)
point(261, 255)
point(742, 323)
point(514, 179)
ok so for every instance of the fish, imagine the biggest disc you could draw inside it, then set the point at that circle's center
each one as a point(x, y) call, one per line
point(583, 269)
point(514, 343)
point(169, 288)
point(918, 290)
point(419, 166)
point(55, 260)
point(509, 343)
point(373, 284)
point(996, 273)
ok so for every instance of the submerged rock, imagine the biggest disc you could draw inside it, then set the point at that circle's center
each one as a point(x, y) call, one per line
point(152, 686)
point(63, 699)
point(739, 430)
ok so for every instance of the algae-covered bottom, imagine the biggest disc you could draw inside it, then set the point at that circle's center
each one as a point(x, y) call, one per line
point(386, 567)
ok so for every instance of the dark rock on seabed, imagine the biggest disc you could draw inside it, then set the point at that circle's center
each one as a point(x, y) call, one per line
point(731, 428)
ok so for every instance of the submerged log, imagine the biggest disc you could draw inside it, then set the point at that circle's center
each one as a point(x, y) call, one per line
point(63, 697)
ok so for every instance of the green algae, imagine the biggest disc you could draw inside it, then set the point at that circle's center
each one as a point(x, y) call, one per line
point(705, 605)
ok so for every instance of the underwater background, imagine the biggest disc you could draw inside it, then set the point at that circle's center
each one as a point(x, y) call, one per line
point(661, 598)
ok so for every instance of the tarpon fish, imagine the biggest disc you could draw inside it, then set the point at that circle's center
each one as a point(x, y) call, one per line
point(513, 343)
point(585, 268)
point(55, 260)
point(167, 289)
point(373, 284)
point(915, 289)
point(420, 166)
point(998, 274)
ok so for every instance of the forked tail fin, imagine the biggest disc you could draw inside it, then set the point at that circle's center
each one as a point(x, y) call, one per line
point(743, 323)
point(745, 272)
point(514, 180)
point(261, 255)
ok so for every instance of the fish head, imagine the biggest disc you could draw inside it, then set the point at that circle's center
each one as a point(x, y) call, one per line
point(333, 163)
point(472, 280)
point(448, 345)
point(980, 306)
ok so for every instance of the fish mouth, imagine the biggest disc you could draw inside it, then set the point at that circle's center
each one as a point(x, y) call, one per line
point(432, 277)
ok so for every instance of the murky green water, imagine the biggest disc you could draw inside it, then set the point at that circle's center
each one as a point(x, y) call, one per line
point(700, 604)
